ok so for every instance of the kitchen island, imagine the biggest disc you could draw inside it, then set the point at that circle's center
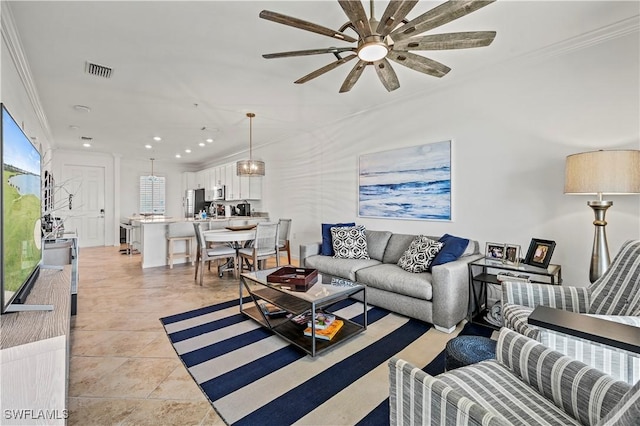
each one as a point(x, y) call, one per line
point(149, 235)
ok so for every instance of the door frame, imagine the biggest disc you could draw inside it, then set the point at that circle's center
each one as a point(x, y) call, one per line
point(111, 164)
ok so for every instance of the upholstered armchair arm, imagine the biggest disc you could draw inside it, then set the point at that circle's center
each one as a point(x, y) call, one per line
point(308, 249)
point(416, 398)
point(584, 392)
point(574, 299)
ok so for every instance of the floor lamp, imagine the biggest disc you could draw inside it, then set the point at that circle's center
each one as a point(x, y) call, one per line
point(615, 172)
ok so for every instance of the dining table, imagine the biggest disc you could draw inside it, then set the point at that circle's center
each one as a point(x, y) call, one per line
point(236, 238)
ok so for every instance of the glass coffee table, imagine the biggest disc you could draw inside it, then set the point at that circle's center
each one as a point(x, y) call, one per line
point(324, 293)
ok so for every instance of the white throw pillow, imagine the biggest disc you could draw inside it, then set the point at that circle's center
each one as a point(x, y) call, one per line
point(349, 242)
point(421, 252)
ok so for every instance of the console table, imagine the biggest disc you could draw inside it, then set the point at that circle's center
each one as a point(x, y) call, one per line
point(34, 354)
point(485, 271)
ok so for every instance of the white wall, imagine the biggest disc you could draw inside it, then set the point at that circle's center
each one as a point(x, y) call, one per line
point(131, 171)
point(511, 132)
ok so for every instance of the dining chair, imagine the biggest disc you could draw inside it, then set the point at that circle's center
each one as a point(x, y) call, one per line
point(207, 254)
point(284, 229)
point(265, 246)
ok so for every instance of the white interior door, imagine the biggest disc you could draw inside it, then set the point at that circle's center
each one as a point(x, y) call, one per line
point(84, 190)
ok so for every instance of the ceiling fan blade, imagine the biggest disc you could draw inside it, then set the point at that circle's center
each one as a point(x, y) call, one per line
point(446, 12)
point(393, 15)
point(324, 69)
point(308, 52)
point(387, 75)
point(358, 17)
point(447, 41)
point(304, 25)
point(419, 63)
point(353, 76)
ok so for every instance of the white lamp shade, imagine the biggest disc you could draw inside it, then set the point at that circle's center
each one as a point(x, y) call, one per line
point(603, 172)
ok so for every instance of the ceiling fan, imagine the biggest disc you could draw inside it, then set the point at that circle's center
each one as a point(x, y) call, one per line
point(392, 37)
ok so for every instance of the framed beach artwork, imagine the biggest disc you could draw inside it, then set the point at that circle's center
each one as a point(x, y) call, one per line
point(406, 183)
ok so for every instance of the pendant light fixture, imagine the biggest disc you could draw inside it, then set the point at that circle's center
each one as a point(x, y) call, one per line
point(250, 167)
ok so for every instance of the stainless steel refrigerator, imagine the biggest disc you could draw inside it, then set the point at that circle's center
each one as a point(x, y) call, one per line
point(193, 202)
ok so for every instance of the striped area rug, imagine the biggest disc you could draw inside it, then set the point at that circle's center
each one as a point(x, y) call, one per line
point(253, 377)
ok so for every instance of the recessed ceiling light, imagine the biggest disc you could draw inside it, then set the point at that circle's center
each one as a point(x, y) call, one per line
point(82, 108)
point(74, 127)
point(86, 145)
point(209, 140)
point(148, 146)
point(178, 156)
point(157, 138)
point(201, 144)
point(188, 151)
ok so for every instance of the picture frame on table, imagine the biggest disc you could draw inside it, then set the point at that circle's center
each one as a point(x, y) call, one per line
point(512, 254)
point(494, 251)
point(540, 252)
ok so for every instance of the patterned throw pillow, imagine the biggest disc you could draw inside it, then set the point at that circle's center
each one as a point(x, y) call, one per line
point(349, 242)
point(421, 252)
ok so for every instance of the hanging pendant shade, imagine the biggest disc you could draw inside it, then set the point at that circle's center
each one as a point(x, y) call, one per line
point(250, 167)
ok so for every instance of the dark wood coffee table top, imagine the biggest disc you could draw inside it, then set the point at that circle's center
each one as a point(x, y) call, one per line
point(621, 336)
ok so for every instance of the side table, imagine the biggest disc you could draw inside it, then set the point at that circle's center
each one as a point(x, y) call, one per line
point(466, 350)
point(485, 271)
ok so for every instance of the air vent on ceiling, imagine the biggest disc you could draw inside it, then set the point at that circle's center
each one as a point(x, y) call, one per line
point(97, 70)
point(85, 138)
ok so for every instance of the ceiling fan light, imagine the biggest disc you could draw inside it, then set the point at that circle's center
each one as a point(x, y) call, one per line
point(373, 51)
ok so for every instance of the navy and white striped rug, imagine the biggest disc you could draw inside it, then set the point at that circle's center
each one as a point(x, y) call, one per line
point(252, 376)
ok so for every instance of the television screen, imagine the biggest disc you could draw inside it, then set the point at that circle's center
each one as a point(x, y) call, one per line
point(21, 211)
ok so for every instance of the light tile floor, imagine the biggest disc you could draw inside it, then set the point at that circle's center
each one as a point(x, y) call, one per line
point(123, 370)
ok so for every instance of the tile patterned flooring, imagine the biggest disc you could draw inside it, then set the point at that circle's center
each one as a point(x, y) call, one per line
point(123, 370)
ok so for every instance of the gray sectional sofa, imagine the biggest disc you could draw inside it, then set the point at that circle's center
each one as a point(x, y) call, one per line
point(439, 297)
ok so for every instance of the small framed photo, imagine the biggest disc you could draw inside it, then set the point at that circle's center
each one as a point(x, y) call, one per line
point(539, 253)
point(512, 254)
point(494, 251)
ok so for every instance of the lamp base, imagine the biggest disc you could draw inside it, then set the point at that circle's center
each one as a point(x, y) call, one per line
point(600, 254)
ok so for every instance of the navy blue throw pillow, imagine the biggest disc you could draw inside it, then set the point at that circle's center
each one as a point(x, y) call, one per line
point(452, 249)
point(327, 244)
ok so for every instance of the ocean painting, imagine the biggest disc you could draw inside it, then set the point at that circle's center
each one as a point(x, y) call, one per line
point(407, 183)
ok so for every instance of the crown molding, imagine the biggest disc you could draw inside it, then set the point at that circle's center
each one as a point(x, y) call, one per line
point(11, 38)
point(600, 35)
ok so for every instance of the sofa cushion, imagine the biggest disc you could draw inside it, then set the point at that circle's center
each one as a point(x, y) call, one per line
point(393, 278)
point(452, 249)
point(349, 242)
point(327, 246)
point(397, 245)
point(377, 243)
point(345, 268)
point(419, 255)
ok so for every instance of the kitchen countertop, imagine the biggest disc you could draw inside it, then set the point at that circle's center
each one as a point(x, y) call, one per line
point(168, 219)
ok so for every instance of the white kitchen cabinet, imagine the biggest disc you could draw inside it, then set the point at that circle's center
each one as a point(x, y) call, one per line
point(219, 175)
point(250, 188)
point(202, 179)
point(230, 180)
point(255, 188)
point(188, 180)
point(213, 181)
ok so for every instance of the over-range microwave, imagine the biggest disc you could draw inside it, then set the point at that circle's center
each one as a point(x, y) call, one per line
point(215, 194)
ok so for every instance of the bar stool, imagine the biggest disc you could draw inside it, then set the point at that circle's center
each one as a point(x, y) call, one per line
point(176, 232)
point(129, 244)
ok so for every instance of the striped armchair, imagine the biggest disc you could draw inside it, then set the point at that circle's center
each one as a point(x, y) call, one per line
point(615, 296)
point(528, 384)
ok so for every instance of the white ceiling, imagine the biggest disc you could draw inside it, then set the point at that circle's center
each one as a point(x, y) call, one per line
point(182, 66)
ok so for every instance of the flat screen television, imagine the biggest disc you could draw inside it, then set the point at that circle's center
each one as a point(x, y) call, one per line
point(21, 196)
